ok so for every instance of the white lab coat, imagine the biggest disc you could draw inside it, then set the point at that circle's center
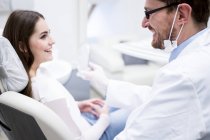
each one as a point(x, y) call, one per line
point(177, 106)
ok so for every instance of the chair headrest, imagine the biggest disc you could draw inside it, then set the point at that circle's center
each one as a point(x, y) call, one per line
point(13, 76)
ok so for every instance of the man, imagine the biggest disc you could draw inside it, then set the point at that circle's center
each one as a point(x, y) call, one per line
point(176, 106)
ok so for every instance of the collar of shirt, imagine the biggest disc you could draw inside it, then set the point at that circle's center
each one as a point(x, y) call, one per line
point(184, 44)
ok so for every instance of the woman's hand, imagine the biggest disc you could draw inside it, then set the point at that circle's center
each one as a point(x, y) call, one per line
point(95, 106)
point(101, 109)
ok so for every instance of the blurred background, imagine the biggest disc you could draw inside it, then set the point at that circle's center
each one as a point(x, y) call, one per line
point(110, 28)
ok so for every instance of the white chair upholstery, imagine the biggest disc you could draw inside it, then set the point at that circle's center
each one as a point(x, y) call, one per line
point(23, 118)
point(13, 76)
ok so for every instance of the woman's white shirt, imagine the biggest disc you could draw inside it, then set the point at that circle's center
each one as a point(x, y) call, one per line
point(52, 93)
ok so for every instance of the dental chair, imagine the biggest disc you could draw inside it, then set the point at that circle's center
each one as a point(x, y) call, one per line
point(21, 117)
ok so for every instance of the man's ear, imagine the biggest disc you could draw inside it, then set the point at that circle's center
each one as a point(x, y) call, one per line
point(185, 11)
point(22, 47)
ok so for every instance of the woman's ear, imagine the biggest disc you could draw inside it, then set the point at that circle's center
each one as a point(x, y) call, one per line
point(184, 13)
point(22, 47)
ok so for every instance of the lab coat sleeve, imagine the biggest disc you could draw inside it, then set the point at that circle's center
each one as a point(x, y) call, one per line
point(173, 112)
point(12, 73)
point(126, 95)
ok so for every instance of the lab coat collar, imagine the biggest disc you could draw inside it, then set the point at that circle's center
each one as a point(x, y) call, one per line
point(185, 44)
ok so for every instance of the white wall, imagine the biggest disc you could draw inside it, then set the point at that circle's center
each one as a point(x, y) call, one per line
point(6, 6)
point(118, 18)
point(63, 18)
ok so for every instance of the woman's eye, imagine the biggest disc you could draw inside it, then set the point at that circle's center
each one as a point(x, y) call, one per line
point(43, 36)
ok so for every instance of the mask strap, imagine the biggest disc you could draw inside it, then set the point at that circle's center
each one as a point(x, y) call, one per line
point(180, 31)
point(173, 23)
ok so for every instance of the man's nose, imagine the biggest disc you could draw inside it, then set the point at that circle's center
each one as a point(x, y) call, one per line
point(145, 22)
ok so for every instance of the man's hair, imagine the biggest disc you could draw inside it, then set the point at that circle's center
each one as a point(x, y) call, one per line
point(200, 9)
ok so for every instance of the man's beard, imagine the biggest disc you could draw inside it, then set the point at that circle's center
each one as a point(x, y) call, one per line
point(158, 42)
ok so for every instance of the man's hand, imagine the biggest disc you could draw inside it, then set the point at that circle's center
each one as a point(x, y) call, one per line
point(96, 76)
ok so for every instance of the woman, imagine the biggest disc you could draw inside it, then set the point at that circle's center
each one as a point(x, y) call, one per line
point(30, 36)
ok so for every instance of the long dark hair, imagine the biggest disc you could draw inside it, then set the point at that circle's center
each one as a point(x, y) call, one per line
point(18, 30)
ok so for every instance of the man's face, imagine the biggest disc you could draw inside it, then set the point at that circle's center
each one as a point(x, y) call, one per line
point(159, 23)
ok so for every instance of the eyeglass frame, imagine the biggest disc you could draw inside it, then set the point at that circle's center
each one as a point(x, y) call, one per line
point(148, 13)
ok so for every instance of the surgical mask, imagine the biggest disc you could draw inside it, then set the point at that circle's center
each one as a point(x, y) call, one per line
point(170, 45)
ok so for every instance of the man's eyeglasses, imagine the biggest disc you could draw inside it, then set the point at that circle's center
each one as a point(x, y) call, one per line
point(148, 13)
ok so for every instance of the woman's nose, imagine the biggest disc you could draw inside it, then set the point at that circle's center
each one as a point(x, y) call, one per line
point(52, 41)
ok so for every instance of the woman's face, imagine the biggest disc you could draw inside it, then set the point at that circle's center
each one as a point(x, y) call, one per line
point(41, 43)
